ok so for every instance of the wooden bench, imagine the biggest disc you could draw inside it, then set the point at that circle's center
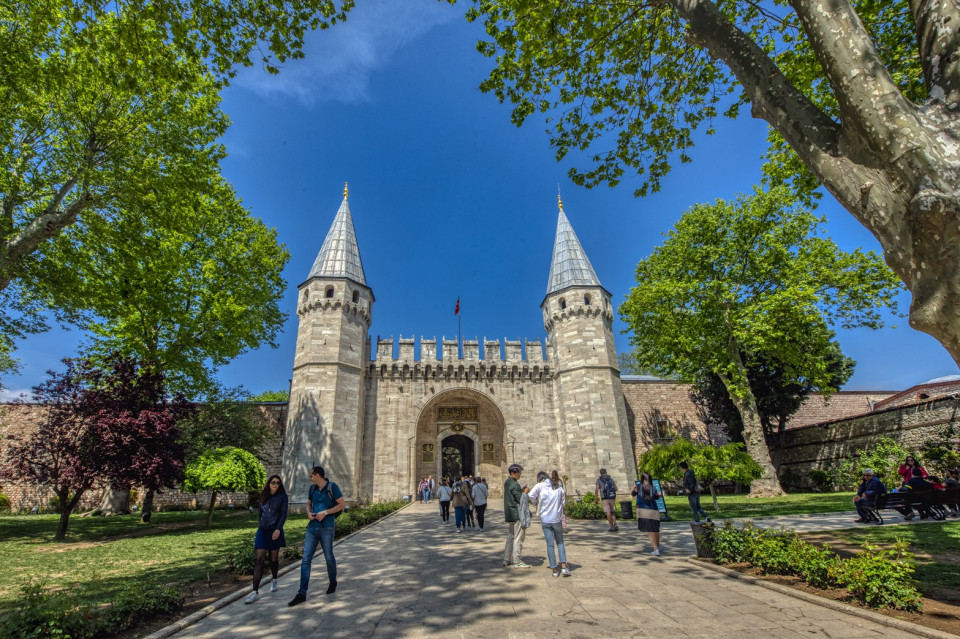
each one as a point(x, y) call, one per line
point(931, 503)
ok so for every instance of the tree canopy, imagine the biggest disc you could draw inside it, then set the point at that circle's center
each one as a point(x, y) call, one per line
point(863, 94)
point(110, 111)
point(751, 276)
point(224, 469)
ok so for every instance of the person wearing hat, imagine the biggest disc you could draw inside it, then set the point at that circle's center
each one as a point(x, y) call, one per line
point(870, 488)
point(512, 496)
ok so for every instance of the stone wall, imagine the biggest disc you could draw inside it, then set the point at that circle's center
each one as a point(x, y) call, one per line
point(18, 420)
point(818, 445)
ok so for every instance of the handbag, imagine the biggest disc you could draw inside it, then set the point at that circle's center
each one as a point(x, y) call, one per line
point(563, 522)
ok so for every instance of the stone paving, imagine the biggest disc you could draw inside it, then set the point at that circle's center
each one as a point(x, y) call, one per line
point(412, 576)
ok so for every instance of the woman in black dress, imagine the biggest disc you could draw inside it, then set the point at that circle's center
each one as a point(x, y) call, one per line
point(273, 514)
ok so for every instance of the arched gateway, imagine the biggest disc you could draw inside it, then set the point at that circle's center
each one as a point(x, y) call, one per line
point(460, 431)
point(379, 418)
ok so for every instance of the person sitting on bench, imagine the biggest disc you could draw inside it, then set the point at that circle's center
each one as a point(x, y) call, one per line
point(916, 484)
point(870, 488)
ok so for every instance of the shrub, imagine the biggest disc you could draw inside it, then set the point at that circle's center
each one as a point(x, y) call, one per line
point(292, 553)
point(821, 479)
point(43, 613)
point(729, 543)
point(138, 601)
point(812, 563)
point(589, 498)
point(880, 578)
point(877, 578)
point(588, 509)
point(4, 503)
point(242, 558)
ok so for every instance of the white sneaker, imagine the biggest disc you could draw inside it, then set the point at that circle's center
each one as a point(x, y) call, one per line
point(273, 586)
point(656, 552)
point(565, 572)
point(253, 597)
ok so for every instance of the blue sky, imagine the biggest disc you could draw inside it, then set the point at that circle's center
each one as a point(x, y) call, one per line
point(449, 199)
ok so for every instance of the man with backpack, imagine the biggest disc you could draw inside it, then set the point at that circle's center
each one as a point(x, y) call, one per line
point(692, 488)
point(324, 503)
point(605, 492)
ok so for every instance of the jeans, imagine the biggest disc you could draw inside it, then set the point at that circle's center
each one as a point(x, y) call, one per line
point(460, 513)
point(862, 506)
point(694, 500)
point(554, 532)
point(322, 535)
point(425, 495)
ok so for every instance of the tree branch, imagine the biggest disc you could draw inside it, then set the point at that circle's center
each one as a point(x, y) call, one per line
point(938, 36)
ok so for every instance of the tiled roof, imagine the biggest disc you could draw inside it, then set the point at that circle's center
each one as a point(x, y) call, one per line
point(570, 266)
point(340, 256)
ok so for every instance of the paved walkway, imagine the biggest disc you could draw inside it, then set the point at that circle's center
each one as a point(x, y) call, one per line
point(412, 576)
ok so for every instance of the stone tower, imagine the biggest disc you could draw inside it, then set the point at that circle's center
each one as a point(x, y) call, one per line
point(325, 420)
point(590, 413)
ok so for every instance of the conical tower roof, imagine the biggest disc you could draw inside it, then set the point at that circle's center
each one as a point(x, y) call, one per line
point(570, 266)
point(340, 256)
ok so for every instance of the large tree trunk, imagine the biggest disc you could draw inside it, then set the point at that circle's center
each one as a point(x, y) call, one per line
point(147, 511)
point(892, 164)
point(768, 485)
point(115, 501)
point(713, 493)
point(64, 520)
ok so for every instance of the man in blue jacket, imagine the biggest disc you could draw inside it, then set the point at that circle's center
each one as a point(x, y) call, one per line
point(870, 489)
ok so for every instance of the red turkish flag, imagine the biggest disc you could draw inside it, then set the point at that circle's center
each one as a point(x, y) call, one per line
point(456, 311)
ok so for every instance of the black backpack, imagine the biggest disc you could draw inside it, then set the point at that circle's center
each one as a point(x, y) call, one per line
point(608, 489)
point(329, 492)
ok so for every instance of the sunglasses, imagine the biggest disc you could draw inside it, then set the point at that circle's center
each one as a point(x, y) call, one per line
point(275, 482)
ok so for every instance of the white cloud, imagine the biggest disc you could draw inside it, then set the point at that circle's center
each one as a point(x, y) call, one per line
point(339, 61)
point(10, 394)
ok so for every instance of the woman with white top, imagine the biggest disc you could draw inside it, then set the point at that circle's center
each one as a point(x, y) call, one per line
point(446, 494)
point(551, 500)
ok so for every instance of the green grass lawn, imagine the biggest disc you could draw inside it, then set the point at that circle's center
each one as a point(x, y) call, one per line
point(936, 544)
point(736, 506)
point(96, 560)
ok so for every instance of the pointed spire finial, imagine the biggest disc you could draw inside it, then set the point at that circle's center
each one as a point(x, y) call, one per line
point(345, 189)
point(559, 201)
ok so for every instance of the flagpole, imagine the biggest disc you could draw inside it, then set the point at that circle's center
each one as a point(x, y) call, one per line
point(459, 332)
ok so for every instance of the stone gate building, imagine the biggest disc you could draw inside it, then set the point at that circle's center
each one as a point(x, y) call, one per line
point(378, 425)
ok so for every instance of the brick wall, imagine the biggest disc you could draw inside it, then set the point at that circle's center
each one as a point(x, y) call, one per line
point(818, 445)
point(17, 420)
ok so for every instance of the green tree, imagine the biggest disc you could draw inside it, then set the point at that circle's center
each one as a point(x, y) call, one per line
point(191, 294)
point(106, 106)
point(780, 391)
point(271, 396)
point(225, 469)
point(223, 419)
point(863, 93)
point(710, 463)
point(751, 276)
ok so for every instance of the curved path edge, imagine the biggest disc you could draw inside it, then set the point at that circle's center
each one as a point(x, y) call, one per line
point(189, 620)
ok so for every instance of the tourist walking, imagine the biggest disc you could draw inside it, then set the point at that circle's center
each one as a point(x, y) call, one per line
point(479, 494)
point(648, 515)
point(433, 487)
point(445, 494)
point(269, 537)
point(551, 499)
point(512, 496)
point(324, 500)
point(692, 489)
point(605, 492)
point(468, 485)
point(423, 489)
point(460, 501)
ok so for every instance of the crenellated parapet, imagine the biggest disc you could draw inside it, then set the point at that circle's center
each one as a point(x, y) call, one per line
point(310, 305)
point(528, 352)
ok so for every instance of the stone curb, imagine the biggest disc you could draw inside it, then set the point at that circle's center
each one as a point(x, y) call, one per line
point(876, 617)
point(191, 619)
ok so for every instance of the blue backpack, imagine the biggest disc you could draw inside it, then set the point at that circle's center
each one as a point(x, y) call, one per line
point(608, 490)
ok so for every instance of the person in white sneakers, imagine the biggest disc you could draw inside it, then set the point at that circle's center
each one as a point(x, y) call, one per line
point(648, 515)
point(273, 514)
point(551, 500)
